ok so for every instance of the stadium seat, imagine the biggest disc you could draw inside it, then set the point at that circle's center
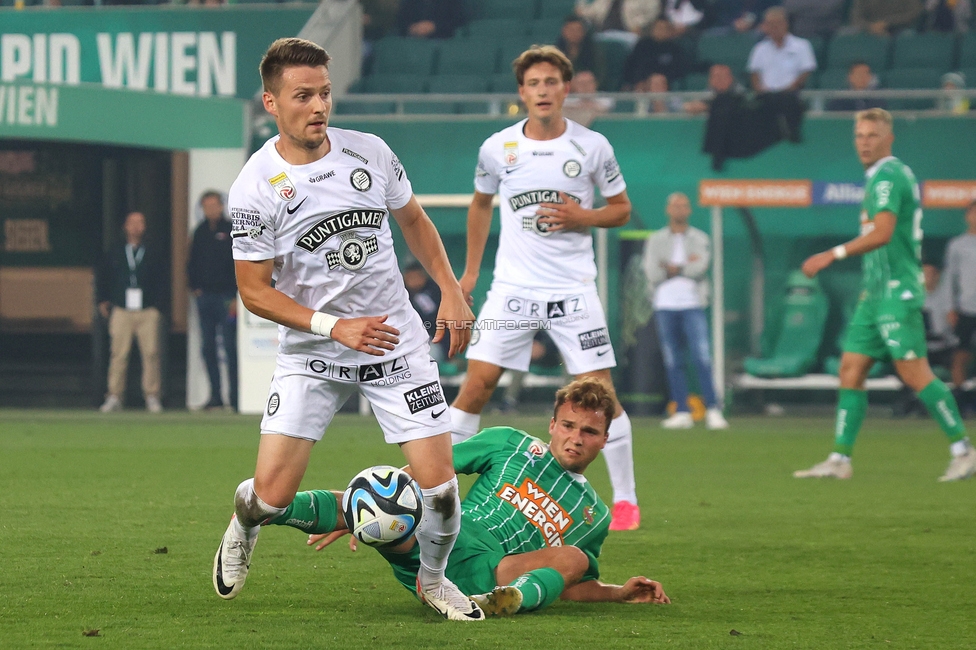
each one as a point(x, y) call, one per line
point(557, 8)
point(967, 52)
point(458, 83)
point(403, 55)
point(929, 50)
point(429, 108)
point(819, 49)
point(365, 108)
point(696, 81)
point(842, 51)
point(615, 53)
point(498, 28)
point(832, 79)
point(509, 50)
point(518, 9)
point(545, 31)
point(503, 82)
point(358, 86)
point(468, 56)
point(395, 83)
point(731, 49)
point(800, 334)
point(912, 78)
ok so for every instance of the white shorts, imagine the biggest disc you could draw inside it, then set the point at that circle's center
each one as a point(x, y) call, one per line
point(405, 394)
point(512, 315)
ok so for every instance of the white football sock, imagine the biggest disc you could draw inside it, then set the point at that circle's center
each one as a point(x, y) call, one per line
point(251, 510)
point(837, 457)
point(465, 424)
point(437, 531)
point(959, 447)
point(619, 454)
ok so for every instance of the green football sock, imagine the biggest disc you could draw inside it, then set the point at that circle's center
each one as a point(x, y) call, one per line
point(852, 404)
point(314, 511)
point(942, 406)
point(540, 588)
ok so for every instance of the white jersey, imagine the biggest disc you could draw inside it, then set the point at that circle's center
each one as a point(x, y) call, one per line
point(326, 226)
point(528, 172)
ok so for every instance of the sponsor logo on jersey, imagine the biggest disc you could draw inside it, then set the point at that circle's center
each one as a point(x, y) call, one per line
point(594, 338)
point(355, 155)
point(387, 373)
point(537, 309)
point(424, 397)
point(283, 186)
point(535, 197)
point(480, 171)
point(611, 170)
point(572, 168)
point(338, 223)
point(273, 403)
point(322, 177)
point(539, 508)
point(882, 193)
point(245, 223)
point(352, 253)
point(578, 148)
point(361, 180)
point(543, 153)
point(397, 168)
point(510, 152)
point(532, 224)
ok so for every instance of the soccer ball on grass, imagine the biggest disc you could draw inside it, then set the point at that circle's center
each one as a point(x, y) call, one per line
point(382, 506)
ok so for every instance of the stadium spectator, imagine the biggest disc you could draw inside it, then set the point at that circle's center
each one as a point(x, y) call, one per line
point(655, 53)
point(545, 270)
point(954, 101)
point(583, 105)
point(810, 18)
point(940, 340)
point(720, 81)
point(675, 263)
point(961, 278)
point(658, 83)
point(430, 18)
point(686, 15)
point(884, 17)
point(334, 253)
point(948, 15)
point(576, 42)
point(619, 19)
point(210, 272)
point(892, 293)
point(859, 77)
point(379, 18)
point(737, 15)
point(131, 289)
point(510, 565)
point(781, 61)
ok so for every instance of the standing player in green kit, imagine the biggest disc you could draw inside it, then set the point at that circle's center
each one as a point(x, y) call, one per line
point(887, 323)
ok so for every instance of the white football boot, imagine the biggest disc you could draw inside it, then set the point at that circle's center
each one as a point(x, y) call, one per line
point(448, 601)
point(714, 419)
point(961, 467)
point(833, 467)
point(680, 420)
point(232, 561)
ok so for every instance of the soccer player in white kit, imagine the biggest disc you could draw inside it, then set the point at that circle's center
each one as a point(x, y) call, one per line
point(546, 169)
point(314, 252)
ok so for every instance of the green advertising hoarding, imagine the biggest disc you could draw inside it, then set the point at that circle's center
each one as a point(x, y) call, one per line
point(195, 51)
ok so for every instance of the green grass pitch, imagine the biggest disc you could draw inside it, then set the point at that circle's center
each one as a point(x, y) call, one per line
point(88, 503)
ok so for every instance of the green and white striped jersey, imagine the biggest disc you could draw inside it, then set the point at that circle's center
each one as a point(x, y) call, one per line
point(525, 499)
point(895, 269)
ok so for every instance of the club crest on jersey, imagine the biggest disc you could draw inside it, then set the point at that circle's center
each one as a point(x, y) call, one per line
point(588, 515)
point(572, 168)
point(361, 180)
point(537, 448)
point(352, 252)
point(283, 186)
point(511, 153)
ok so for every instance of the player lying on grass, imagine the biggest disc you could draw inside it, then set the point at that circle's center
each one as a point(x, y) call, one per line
point(532, 526)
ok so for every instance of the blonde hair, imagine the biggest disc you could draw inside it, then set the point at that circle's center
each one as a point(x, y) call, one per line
point(542, 54)
point(876, 115)
point(590, 394)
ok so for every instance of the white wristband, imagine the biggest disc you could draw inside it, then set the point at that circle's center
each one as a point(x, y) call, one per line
point(840, 252)
point(322, 324)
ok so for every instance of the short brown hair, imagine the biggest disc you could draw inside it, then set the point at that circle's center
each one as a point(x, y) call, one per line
point(287, 53)
point(877, 115)
point(542, 54)
point(588, 393)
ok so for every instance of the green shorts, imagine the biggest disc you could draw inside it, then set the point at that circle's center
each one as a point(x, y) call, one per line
point(887, 329)
point(471, 566)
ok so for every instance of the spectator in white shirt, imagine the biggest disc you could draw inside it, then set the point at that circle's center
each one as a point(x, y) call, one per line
point(781, 61)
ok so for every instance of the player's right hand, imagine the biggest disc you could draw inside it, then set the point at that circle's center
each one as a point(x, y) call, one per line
point(369, 334)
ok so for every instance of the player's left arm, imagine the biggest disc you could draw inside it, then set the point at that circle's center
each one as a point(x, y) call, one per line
point(425, 243)
point(884, 228)
point(570, 215)
point(636, 590)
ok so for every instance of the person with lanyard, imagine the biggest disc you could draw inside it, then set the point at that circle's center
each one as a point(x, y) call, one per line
point(129, 290)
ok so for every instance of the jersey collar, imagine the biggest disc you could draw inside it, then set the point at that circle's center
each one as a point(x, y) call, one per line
point(872, 170)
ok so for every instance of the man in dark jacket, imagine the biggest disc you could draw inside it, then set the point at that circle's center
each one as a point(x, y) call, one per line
point(131, 286)
point(212, 281)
